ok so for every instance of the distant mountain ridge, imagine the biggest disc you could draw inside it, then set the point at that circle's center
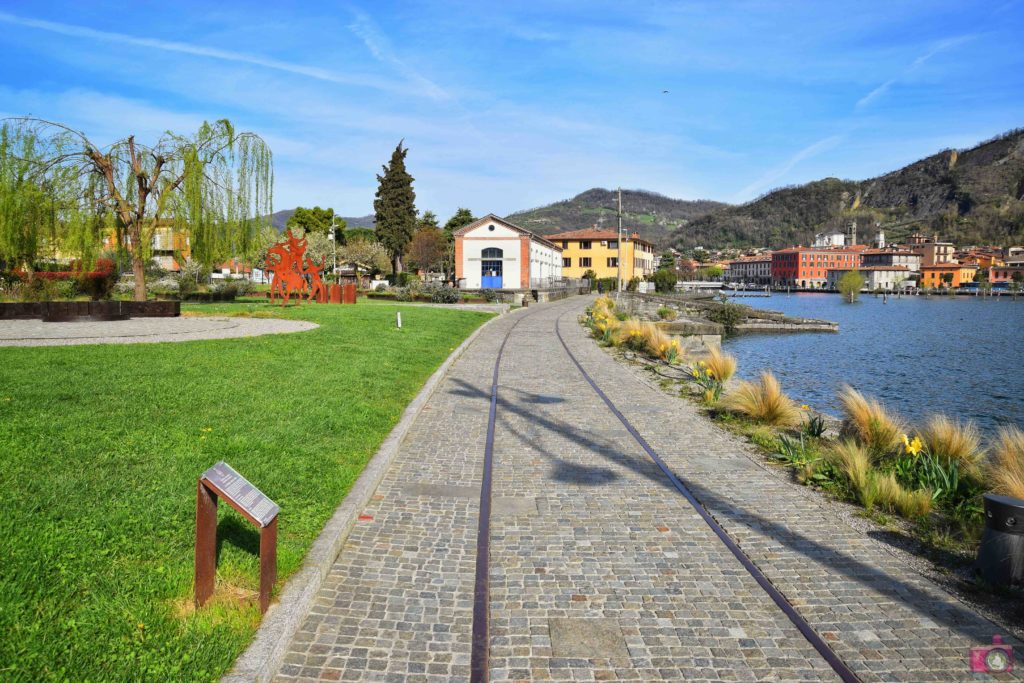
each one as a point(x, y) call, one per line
point(653, 215)
point(972, 196)
point(280, 218)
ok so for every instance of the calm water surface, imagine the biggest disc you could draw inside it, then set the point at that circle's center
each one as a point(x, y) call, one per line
point(918, 355)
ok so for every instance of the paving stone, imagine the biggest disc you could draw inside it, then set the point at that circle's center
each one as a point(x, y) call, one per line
point(599, 569)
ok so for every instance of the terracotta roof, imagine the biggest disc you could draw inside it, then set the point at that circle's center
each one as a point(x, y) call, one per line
point(592, 234)
point(949, 266)
point(823, 250)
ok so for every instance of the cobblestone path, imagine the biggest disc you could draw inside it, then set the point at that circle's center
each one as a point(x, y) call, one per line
point(599, 569)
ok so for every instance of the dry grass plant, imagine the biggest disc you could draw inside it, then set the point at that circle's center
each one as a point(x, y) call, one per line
point(953, 440)
point(763, 401)
point(720, 365)
point(1005, 469)
point(867, 421)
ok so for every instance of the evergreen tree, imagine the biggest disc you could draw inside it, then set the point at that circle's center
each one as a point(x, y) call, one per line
point(462, 217)
point(317, 220)
point(427, 220)
point(395, 208)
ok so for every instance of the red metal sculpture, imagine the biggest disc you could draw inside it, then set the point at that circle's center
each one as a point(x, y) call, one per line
point(317, 291)
point(289, 274)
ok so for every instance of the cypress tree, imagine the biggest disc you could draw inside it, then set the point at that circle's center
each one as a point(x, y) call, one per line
point(395, 208)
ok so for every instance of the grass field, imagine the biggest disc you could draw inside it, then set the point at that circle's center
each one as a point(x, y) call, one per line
point(100, 449)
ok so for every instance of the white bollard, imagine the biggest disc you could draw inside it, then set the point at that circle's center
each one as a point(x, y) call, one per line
point(398, 317)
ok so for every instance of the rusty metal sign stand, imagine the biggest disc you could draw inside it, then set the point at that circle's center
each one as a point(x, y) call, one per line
point(221, 481)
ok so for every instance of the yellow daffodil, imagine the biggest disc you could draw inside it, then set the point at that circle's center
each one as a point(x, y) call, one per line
point(805, 407)
point(915, 446)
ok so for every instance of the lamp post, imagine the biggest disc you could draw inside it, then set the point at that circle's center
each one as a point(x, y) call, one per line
point(334, 241)
point(618, 243)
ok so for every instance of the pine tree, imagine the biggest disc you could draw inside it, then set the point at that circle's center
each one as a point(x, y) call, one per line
point(395, 208)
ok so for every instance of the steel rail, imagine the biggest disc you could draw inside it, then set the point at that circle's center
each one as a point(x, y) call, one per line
point(808, 632)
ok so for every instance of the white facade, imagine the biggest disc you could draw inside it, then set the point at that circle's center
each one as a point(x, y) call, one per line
point(830, 239)
point(492, 253)
point(750, 269)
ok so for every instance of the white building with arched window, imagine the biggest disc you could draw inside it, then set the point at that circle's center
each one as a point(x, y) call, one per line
point(491, 253)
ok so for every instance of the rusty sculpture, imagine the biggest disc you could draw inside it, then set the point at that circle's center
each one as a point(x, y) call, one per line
point(317, 292)
point(288, 272)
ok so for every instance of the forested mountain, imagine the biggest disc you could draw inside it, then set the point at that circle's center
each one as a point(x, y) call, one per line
point(653, 215)
point(279, 218)
point(973, 196)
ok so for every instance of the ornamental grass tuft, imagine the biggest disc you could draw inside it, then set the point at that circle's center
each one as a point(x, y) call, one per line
point(720, 365)
point(1005, 469)
point(954, 441)
point(867, 421)
point(763, 401)
point(854, 461)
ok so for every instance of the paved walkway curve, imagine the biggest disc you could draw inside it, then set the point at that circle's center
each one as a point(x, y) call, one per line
point(599, 569)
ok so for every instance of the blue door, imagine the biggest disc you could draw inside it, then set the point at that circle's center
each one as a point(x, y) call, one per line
point(490, 268)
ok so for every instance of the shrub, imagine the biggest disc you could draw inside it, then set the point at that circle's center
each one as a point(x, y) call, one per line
point(954, 441)
point(490, 295)
point(165, 286)
point(403, 279)
point(763, 401)
point(666, 313)
point(1005, 470)
point(664, 280)
point(728, 316)
point(404, 294)
point(445, 295)
point(125, 285)
point(867, 421)
point(381, 288)
point(633, 284)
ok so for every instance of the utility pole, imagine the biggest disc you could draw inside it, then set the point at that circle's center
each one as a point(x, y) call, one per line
point(619, 242)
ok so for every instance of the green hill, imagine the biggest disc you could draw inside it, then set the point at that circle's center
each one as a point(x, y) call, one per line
point(653, 215)
point(972, 196)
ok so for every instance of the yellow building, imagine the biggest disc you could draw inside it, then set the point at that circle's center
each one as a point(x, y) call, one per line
point(598, 250)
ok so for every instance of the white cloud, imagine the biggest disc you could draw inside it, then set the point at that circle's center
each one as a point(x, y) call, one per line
point(380, 47)
point(769, 179)
point(916, 64)
point(209, 52)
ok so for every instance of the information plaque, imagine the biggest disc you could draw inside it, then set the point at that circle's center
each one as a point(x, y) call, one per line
point(222, 481)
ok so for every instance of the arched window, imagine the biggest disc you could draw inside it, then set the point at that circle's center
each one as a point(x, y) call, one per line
point(491, 252)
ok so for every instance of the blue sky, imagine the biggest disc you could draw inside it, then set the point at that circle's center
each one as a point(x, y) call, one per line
point(506, 106)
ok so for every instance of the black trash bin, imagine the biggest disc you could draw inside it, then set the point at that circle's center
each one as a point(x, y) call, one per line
point(1001, 554)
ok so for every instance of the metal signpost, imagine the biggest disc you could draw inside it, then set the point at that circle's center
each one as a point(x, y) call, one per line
point(221, 481)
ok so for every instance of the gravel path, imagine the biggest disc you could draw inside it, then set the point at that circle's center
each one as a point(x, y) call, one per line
point(142, 330)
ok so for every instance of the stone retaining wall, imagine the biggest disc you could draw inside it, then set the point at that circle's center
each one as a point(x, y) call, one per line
point(29, 310)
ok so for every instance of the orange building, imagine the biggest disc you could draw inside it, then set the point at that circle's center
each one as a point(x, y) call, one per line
point(807, 267)
point(935, 276)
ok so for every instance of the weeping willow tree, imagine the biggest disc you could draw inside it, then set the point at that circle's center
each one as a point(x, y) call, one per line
point(214, 185)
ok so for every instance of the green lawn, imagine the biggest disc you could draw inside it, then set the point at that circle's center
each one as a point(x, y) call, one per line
point(100, 449)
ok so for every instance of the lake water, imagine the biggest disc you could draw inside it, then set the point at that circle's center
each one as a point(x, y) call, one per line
point(963, 356)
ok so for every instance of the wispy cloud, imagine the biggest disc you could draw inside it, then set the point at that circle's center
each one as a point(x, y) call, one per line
point(380, 47)
point(203, 51)
point(916, 64)
point(772, 176)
